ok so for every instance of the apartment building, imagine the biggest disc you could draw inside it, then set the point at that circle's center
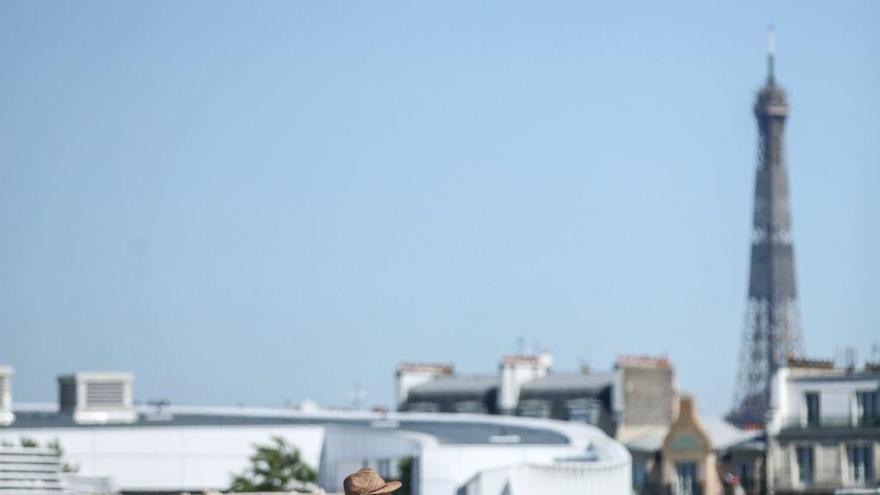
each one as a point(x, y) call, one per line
point(824, 429)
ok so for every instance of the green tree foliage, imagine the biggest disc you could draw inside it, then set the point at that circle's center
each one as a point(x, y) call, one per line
point(55, 445)
point(28, 442)
point(274, 468)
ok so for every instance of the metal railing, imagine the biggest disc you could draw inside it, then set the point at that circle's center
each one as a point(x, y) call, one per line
point(831, 422)
point(787, 477)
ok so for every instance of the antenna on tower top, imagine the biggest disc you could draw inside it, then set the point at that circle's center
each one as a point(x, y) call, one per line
point(771, 53)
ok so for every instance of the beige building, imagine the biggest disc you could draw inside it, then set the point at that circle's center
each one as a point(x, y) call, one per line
point(697, 456)
point(688, 461)
point(645, 396)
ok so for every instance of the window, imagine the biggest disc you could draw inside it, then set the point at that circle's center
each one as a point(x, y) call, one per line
point(686, 481)
point(583, 411)
point(638, 474)
point(860, 461)
point(867, 408)
point(423, 407)
point(534, 408)
point(470, 406)
point(812, 402)
point(805, 464)
point(744, 472)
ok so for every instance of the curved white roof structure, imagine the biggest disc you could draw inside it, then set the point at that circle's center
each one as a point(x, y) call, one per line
point(197, 448)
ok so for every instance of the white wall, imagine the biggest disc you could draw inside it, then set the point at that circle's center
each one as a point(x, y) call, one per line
point(514, 375)
point(446, 468)
point(194, 458)
point(6, 416)
point(180, 457)
point(565, 478)
point(347, 449)
point(837, 398)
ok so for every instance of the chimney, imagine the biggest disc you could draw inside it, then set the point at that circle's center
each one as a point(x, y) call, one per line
point(645, 392)
point(802, 366)
point(516, 371)
point(97, 397)
point(411, 375)
point(6, 415)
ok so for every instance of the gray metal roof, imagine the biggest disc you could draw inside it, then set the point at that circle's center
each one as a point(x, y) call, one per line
point(558, 382)
point(858, 376)
point(457, 385)
point(649, 442)
point(446, 430)
point(723, 435)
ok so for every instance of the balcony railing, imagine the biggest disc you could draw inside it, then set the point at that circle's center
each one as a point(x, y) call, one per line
point(788, 478)
point(832, 422)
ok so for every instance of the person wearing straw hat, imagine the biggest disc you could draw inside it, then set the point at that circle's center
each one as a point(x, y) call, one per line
point(368, 482)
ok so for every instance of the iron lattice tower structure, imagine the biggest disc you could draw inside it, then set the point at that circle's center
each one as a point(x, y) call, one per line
point(772, 329)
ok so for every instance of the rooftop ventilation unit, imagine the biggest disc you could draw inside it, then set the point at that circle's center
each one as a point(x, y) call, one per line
point(6, 416)
point(97, 397)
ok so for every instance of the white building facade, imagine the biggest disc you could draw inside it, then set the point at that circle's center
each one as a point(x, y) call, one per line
point(824, 429)
point(196, 449)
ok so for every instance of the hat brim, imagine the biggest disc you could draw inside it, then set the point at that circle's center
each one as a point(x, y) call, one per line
point(388, 488)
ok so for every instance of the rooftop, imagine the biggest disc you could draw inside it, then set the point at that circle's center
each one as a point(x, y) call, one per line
point(428, 367)
point(561, 382)
point(802, 362)
point(644, 361)
point(520, 359)
point(446, 428)
point(457, 384)
point(840, 377)
point(723, 435)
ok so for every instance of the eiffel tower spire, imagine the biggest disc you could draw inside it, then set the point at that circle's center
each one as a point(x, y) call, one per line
point(772, 330)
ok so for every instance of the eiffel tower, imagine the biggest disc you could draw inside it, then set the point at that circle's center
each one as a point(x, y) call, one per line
point(772, 329)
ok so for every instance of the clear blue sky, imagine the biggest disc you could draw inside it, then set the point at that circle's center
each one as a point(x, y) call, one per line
point(266, 201)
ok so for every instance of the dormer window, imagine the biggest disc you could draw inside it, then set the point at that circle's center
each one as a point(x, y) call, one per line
point(534, 408)
point(425, 407)
point(583, 411)
point(867, 403)
point(811, 402)
point(470, 406)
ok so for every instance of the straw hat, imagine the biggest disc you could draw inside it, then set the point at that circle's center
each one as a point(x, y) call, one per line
point(368, 482)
